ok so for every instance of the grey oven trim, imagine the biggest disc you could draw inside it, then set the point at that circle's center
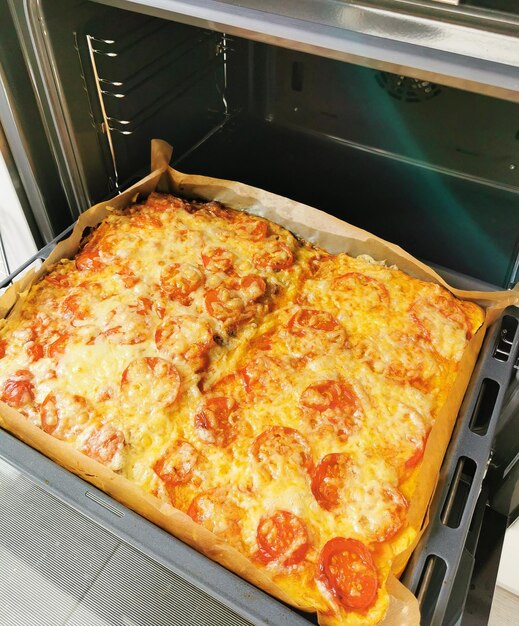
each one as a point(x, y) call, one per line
point(479, 55)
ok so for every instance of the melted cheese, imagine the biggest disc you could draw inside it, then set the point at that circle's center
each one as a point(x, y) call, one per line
point(198, 299)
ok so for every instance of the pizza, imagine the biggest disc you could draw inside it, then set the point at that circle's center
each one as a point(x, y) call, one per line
point(278, 395)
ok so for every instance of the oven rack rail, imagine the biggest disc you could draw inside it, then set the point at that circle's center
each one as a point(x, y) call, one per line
point(456, 511)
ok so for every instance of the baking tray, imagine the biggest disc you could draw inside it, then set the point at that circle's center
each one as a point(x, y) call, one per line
point(439, 570)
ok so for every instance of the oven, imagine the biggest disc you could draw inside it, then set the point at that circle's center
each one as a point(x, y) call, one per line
point(406, 110)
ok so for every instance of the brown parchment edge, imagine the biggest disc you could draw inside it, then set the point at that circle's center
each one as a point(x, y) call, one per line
point(318, 227)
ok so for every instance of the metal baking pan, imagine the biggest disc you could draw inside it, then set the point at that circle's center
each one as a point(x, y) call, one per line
point(445, 548)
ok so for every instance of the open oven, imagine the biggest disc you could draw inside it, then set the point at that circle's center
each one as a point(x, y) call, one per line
point(411, 106)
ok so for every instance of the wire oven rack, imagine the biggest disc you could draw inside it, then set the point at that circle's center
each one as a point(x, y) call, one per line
point(446, 548)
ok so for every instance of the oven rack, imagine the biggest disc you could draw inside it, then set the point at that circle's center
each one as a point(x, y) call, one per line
point(446, 549)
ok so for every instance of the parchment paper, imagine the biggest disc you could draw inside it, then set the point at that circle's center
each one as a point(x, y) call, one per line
point(335, 236)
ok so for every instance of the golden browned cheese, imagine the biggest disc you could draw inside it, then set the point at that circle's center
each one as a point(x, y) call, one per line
point(279, 395)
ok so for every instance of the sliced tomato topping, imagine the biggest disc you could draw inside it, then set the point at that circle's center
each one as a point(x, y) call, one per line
point(18, 391)
point(224, 304)
point(329, 394)
point(279, 448)
point(331, 402)
point(429, 314)
point(58, 278)
point(176, 465)
point(252, 228)
point(59, 408)
point(311, 322)
point(128, 324)
point(373, 292)
point(152, 378)
point(418, 453)
point(3, 347)
point(347, 570)
point(282, 537)
point(178, 281)
point(252, 287)
point(57, 345)
point(145, 220)
point(35, 351)
point(186, 336)
point(89, 259)
point(103, 444)
point(217, 260)
point(74, 309)
point(215, 510)
point(329, 478)
point(215, 421)
point(275, 256)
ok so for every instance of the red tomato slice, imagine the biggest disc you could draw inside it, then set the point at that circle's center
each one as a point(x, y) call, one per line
point(329, 394)
point(57, 345)
point(144, 220)
point(346, 569)
point(333, 403)
point(431, 313)
point(224, 304)
point(282, 537)
point(185, 336)
point(152, 378)
point(58, 279)
point(18, 391)
point(215, 421)
point(177, 464)
point(178, 281)
point(312, 322)
point(374, 293)
point(89, 259)
point(252, 228)
point(128, 324)
point(217, 260)
point(329, 478)
point(57, 407)
point(279, 448)
point(275, 256)
point(216, 511)
point(104, 444)
point(252, 287)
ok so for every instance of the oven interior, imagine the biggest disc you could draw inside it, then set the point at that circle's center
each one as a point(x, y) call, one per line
point(432, 168)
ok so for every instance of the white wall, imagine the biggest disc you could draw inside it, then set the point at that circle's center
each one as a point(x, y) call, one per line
point(14, 230)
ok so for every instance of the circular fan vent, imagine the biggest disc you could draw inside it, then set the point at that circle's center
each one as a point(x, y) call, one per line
point(407, 89)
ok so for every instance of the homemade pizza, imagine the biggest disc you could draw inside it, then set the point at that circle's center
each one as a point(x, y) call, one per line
point(278, 395)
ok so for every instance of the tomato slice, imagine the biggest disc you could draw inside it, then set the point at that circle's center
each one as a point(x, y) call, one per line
point(217, 259)
point(215, 421)
point(3, 347)
point(332, 403)
point(224, 305)
point(329, 478)
point(59, 408)
point(373, 292)
point(252, 228)
point(431, 313)
point(215, 510)
point(59, 279)
point(152, 378)
point(104, 444)
point(18, 391)
point(252, 287)
point(57, 345)
point(177, 463)
point(276, 256)
point(347, 570)
point(282, 537)
point(178, 281)
point(279, 448)
point(313, 322)
point(185, 336)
